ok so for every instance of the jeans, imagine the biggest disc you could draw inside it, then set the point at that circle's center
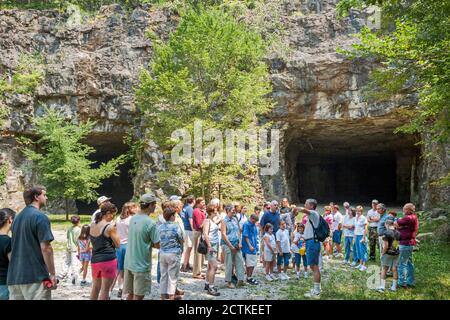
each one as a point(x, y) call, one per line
point(158, 270)
point(4, 293)
point(406, 262)
point(348, 247)
point(361, 248)
point(355, 250)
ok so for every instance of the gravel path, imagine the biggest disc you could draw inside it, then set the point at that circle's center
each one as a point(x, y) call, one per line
point(193, 287)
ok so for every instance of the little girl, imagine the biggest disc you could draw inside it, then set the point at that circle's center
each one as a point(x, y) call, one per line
point(327, 243)
point(270, 252)
point(84, 251)
point(299, 249)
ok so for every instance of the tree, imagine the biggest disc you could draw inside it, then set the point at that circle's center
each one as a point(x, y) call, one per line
point(414, 55)
point(61, 159)
point(211, 70)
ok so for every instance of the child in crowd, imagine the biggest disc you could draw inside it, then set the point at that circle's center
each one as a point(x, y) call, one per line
point(270, 251)
point(284, 249)
point(84, 251)
point(6, 219)
point(390, 255)
point(327, 244)
point(70, 264)
point(299, 250)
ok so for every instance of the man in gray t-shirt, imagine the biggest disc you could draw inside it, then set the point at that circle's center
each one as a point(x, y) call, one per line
point(312, 246)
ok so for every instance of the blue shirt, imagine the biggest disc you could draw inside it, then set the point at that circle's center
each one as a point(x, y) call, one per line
point(250, 231)
point(171, 237)
point(185, 215)
point(381, 227)
point(272, 218)
point(232, 227)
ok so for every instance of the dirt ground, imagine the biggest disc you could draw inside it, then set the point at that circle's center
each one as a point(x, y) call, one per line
point(193, 287)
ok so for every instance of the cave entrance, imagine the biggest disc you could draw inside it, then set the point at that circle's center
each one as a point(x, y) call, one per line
point(332, 165)
point(119, 188)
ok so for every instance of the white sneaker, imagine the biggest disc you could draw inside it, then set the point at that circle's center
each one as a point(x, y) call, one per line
point(285, 276)
point(313, 294)
point(363, 268)
point(393, 289)
point(297, 275)
point(345, 262)
point(380, 290)
point(358, 266)
point(353, 264)
point(273, 276)
point(275, 269)
point(268, 277)
point(305, 275)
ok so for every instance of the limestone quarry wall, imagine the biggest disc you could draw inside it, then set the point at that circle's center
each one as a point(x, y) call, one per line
point(92, 65)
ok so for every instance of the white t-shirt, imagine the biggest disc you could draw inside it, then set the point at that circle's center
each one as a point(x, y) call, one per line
point(122, 228)
point(349, 221)
point(337, 220)
point(297, 236)
point(271, 241)
point(373, 214)
point(242, 218)
point(314, 217)
point(360, 225)
point(93, 216)
point(283, 237)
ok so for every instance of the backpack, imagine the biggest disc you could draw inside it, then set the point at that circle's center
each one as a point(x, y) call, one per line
point(322, 231)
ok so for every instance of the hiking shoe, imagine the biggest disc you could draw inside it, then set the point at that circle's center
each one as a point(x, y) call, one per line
point(240, 284)
point(212, 291)
point(268, 277)
point(313, 294)
point(230, 285)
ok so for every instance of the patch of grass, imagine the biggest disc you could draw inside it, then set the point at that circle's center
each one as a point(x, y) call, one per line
point(432, 265)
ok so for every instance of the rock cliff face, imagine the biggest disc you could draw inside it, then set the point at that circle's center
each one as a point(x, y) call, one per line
point(91, 66)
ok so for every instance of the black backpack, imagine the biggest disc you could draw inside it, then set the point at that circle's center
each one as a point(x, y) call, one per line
point(322, 231)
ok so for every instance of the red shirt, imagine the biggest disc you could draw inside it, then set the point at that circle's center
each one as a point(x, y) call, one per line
point(197, 219)
point(408, 227)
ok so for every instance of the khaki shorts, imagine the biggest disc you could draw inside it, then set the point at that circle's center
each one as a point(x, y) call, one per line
point(137, 283)
point(188, 239)
point(32, 291)
point(250, 260)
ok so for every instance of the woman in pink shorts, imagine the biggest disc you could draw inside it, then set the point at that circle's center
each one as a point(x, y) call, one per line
point(104, 240)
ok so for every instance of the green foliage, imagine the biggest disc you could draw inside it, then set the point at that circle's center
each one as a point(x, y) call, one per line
point(23, 80)
point(210, 70)
point(87, 5)
point(415, 59)
point(61, 160)
point(3, 172)
point(136, 146)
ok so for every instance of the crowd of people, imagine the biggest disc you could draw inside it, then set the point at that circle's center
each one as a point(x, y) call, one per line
point(119, 246)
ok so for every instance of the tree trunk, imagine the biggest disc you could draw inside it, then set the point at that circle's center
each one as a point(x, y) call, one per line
point(201, 181)
point(67, 209)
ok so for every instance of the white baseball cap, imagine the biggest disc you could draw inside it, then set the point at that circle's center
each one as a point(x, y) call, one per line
point(174, 197)
point(102, 199)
